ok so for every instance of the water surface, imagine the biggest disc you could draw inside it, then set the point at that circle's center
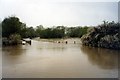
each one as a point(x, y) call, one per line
point(49, 59)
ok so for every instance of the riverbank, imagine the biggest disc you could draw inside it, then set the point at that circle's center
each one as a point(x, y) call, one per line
point(8, 42)
point(104, 36)
point(12, 42)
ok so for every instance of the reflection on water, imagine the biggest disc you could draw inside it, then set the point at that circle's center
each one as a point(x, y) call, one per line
point(13, 50)
point(48, 59)
point(103, 58)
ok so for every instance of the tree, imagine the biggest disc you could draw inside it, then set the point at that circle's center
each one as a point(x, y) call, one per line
point(0, 29)
point(23, 31)
point(30, 32)
point(54, 32)
point(39, 30)
point(11, 25)
point(76, 31)
point(105, 35)
point(0, 33)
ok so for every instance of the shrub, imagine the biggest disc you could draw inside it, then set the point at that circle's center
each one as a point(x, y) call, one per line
point(15, 38)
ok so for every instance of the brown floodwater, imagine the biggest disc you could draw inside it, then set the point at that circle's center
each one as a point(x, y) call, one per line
point(49, 59)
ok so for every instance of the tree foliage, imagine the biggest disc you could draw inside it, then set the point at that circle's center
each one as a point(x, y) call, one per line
point(10, 25)
point(105, 35)
point(76, 31)
point(57, 32)
point(15, 38)
point(0, 29)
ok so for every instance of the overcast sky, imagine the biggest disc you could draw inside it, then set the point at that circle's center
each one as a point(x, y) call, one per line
point(60, 12)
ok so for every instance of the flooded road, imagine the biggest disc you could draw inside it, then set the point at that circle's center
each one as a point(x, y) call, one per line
point(49, 59)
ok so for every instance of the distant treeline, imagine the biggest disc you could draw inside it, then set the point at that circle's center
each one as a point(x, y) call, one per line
point(13, 26)
point(106, 35)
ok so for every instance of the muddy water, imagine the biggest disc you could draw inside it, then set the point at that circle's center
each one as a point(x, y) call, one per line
point(49, 59)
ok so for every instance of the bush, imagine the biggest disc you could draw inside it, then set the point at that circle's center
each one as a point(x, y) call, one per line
point(14, 38)
point(105, 35)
